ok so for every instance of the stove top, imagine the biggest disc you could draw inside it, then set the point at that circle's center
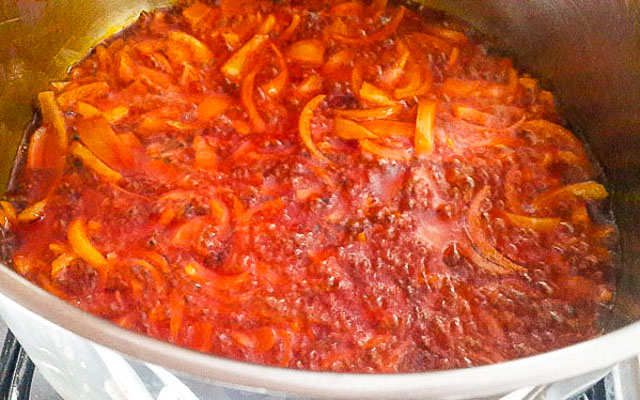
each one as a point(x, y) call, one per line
point(20, 380)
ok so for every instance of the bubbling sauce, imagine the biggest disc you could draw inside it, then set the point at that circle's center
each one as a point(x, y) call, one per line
point(330, 186)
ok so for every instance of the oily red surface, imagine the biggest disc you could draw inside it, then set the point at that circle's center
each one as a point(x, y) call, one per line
point(230, 237)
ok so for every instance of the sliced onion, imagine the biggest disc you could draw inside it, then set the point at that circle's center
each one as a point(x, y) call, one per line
point(288, 33)
point(82, 246)
point(542, 225)
point(8, 210)
point(588, 190)
point(420, 83)
point(370, 113)
point(308, 51)
point(479, 240)
point(351, 8)
point(196, 13)
point(212, 107)
point(68, 98)
point(456, 88)
point(267, 25)
point(425, 122)
point(374, 37)
point(304, 127)
point(203, 275)
point(550, 131)
point(199, 51)
point(32, 212)
point(92, 162)
point(87, 110)
point(246, 95)
point(392, 75)
point(176, 314)
point(386, 152)
point(375, 95)
point(236, 65)
point(387, 128)
point(52, 114)
point(356, 79)
point(276, 85)
point(339, 60)
point(455, 37)
point(205, 155)
point(347, 129)
point(61, 262)
point(99, 137)
point(310, 86)
point(453, 57)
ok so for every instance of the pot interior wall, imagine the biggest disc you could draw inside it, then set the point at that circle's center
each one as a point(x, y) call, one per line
point(585, 51)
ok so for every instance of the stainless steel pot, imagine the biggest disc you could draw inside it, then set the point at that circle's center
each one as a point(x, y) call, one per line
point(587, 52)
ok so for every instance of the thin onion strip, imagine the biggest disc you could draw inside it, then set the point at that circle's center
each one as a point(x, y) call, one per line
point(479, 240)
point(304, 127)
point(374, 37)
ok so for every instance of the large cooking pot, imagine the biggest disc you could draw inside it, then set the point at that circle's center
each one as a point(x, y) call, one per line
point(587, 52)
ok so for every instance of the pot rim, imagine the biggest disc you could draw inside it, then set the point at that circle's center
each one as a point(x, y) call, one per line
point(556, 365)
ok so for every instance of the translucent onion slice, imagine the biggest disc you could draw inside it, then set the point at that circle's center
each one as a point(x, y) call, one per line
point(267, 25)
point(479, 240)
point(392, 75)
point(291, 29)
point(356, 79)
point(246, 95)
point(199, 51)
point(477, 260)
point(455, 37)
point(68, 98)
point(44, 152)
point(308, 51)
point(99, 137)
point(338, 61)
point(473, 115)
point(375, 95)
point(236, 65)
point(425, 122)
point(304, 127)
point(32, 212)
point(196, 13)
point(542, 225)
point(387, 128)
point(82, 246)
point(455, 88)
point(212, 107)
point(550, 131)
point(61, 262)
point(92, 162)
point(310, 86)
point(52, 114)
point(351, 8)
point(420, 82)
point(205, 155)
point(202, 275)
point(276, 85)
point(382, 34)
point(588, 190)
point(386, 152)
point(8, 210)
point(370, 113)
point(87, 110)
point(176, 313)
point(347, 129)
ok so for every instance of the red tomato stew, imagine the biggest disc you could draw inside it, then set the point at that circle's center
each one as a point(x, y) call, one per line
point(331, 186)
